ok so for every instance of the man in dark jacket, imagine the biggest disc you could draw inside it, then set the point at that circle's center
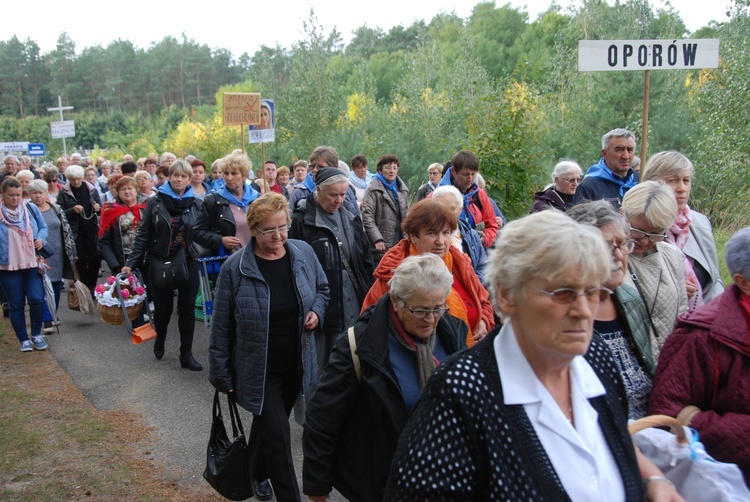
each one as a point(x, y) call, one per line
point(339, 241)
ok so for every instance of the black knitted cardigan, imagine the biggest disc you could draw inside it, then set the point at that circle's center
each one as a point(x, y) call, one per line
point(462, 443)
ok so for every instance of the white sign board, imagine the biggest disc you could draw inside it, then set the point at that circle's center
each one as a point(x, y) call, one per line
point(63, 129)
point(628, 55)
point(14, 146)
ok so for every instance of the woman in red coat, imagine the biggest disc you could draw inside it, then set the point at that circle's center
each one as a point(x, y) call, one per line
point(703, 375)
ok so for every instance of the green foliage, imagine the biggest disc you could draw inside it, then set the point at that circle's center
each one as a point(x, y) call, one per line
point(507, 136)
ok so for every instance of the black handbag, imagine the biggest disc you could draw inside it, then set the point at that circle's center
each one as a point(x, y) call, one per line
point(228, 466)
point(170, 272)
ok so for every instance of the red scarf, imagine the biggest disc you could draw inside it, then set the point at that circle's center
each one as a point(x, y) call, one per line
point(112, 212)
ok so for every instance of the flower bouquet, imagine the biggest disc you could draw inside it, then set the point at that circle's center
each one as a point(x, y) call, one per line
point(131, 295)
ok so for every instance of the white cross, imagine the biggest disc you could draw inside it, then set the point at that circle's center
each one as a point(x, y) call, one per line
point(60, 109)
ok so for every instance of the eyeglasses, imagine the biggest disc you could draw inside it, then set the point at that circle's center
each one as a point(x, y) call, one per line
point(272, 231)
point(572, 180)
point(639, 234)
point(52, 180)
point(423, 313)
point(565, 296)
point(624, 247)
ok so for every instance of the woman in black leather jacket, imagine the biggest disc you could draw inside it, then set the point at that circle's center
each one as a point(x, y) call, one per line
point(167, 221)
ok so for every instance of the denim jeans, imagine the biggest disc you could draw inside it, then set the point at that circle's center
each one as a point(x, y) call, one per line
point(18, 286)
point(56, 288)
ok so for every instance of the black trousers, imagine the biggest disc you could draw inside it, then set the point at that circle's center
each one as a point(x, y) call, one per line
point(164, 303)
point(270, 439)
point(89, 260)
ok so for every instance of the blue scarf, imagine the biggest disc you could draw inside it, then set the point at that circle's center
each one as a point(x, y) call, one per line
point(166, 188)
point(390, 186)
point(602, 172)
point(309, 182)
point(359, 182)
point(248, 195)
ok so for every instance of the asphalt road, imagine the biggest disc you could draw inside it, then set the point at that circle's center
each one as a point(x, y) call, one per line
point(114, 374)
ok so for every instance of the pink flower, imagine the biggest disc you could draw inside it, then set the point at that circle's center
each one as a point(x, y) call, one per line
point(140, 290)
point(131, 280)
point(99, 289)
point(111, 279)
point(125, 294)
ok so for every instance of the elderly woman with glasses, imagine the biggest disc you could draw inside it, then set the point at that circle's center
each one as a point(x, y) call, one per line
point(374, 379)
point(655, 265)
point(691, 230)
point(622, 319)
point(559, 194)
point(258, 349)
point(537, 410)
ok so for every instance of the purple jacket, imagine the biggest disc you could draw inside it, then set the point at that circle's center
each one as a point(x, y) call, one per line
point(706, 363)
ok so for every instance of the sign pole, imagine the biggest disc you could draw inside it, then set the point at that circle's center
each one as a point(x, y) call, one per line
point(60, 109)
point(242, 135)
point(644, 131)
point(263, 154)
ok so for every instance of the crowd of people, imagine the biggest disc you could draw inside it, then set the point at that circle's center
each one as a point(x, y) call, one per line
point(437, 350)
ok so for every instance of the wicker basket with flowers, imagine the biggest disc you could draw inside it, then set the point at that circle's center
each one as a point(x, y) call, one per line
point(131, 294)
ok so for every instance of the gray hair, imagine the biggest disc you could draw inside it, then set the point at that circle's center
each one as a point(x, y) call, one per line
point(564, 167)
point(437, 166)
point(11, 157)
point(616, 133)
point(38, 186)
point(180, 166)
point(655, 201)
point(449, 190)
point(338, 178)
point(74, 171)
point(546, 245)
point(24, 174)
point(421, 273)
point(344, 167)
point(737, 253)
point(598, 213)
point(665, 164)
point(165, 155)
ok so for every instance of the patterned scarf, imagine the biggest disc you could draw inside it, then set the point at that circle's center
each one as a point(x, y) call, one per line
point(454, 301)
point(18, 221)
point(678, 235)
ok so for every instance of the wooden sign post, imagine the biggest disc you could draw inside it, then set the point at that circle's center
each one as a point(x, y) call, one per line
point(242, 109)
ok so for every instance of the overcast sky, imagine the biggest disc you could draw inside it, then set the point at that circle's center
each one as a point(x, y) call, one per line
point(245, 26)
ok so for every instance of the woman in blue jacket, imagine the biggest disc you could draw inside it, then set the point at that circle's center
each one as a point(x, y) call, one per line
point(22, 233)
point(258, 348)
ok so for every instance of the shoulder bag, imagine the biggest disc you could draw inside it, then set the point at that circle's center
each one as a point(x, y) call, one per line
point(168, 273)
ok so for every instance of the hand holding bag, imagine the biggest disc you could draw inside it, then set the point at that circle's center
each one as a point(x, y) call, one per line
point(228, 466)
point(684, 461)
point(169, 273)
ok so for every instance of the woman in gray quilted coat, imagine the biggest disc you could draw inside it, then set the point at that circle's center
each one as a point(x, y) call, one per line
point(260, 348)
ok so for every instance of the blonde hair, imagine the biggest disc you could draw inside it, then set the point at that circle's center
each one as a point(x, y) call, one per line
point(655, 201)
point(665, 164)
point(265, 206)
point(546, 245)
point(238, 161)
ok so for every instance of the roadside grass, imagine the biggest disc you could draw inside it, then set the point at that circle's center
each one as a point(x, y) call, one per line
point(54, 445)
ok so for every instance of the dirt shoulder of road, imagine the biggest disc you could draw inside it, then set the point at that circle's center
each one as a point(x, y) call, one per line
point(54, 445)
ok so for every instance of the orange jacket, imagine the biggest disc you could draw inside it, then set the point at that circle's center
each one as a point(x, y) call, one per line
point(462, 270)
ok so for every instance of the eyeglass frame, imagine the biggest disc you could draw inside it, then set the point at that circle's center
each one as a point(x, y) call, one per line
point(556, 297)
point(271, 231)
point(571, 180)
point(651, 237)
point(629, 242)
point(423, 313)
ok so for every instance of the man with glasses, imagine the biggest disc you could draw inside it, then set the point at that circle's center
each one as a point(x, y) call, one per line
point(339, 241)
point(613, 175)
point(322, 156)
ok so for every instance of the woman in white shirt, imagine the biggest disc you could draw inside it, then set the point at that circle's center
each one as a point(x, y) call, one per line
point(537, 411)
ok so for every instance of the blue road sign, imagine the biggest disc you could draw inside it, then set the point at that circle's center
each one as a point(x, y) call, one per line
point(36, 150)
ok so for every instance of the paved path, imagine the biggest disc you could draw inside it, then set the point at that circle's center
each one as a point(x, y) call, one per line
point(114, 374)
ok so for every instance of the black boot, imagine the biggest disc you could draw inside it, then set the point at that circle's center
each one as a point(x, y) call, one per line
point(188, 361)
point(159, 346)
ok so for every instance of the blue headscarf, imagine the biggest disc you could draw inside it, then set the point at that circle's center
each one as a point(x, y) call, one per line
point(248, 195)
point(309, 182)
point(602, 172)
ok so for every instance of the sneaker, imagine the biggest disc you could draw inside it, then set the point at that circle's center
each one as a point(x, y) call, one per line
point(38, 342)
point(48, 327)
point(26, 346)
